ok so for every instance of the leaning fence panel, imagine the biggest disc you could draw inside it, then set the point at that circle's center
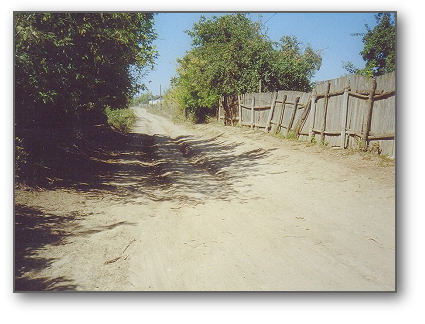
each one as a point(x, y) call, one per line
point(348, 112)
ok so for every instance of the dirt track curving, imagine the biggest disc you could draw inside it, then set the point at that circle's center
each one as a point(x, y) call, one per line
point(214, 208)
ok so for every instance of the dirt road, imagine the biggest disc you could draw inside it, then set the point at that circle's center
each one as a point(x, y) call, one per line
point(215, 208)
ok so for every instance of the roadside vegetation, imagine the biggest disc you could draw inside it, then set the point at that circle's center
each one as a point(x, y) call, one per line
point(69, 67)
point(121, 119)
point(232, 54)
point(379, 48)
point(75, 72)
point(143, 98)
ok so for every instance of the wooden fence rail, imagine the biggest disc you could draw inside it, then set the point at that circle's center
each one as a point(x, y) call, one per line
point(349, 112)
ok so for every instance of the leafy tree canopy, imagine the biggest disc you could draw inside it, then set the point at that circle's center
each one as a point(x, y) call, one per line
point(70, 66)
point(231, 54)
point(379, 48)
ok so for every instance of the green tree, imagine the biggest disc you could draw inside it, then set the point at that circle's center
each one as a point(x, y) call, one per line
point(295, 67)
point(231, 54)
point(70, 66)
point(142, 98)
point(379, 47)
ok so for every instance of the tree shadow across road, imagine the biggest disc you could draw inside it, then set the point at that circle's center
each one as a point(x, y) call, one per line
point(163, 168)
point(157, 167)
point(123, 168)
point(33, 230)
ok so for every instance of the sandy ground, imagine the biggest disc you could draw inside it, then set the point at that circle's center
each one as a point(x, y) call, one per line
point(219, 208)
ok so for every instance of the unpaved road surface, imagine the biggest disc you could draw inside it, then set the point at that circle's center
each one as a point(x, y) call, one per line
point(211, 207)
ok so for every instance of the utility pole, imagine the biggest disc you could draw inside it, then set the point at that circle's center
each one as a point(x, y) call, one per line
point(259, 86)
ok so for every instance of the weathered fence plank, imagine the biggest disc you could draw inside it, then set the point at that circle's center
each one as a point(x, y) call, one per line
point(325, 110)
point(301, 121)
point(279, 124)
point(270, 116)
point(351, 111)
point(368, 115)
point(293, 113)
point(344, 116)
point(313, 112)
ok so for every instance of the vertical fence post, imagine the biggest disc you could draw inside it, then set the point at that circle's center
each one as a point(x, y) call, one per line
point(279, 123)
point(270, 116)
point(252, 110)
point(240, 110)
point(291, 122)
point(301, 121)
point(344, 116)
point(366, 125)
point(313, 115)
point(325, 112)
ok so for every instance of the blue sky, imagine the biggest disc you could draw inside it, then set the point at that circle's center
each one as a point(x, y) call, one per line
point(328, 32)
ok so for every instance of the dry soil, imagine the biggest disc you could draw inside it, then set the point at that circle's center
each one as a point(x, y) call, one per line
point(210, 207)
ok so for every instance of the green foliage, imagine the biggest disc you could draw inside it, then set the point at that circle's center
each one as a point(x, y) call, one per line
point(295, 68)
point(379, 48)
point(380, 45)
point(291, 135)
point(142, 98)
point(121, 119)
point(21, 156)
point(230, 54)
point(70, 66)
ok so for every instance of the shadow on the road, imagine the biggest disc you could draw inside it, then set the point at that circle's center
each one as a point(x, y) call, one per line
point(33, 230)
point(164, 168)
point(221, 156)
point(44, 284)
point(156, 167)
point(123, 168)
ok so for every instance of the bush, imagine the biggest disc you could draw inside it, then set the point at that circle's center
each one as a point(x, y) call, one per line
point(121, 119)
point(21, 157)
point(232, 54)
point(70, 66)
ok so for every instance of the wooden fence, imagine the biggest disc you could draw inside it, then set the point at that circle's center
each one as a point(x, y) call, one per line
point(349, 112)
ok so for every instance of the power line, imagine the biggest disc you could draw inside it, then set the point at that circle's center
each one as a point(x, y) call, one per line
point(270, 18)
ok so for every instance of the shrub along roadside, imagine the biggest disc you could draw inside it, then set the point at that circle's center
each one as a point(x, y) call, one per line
point(68, 68)
point(121, 119)
point(232, 54)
